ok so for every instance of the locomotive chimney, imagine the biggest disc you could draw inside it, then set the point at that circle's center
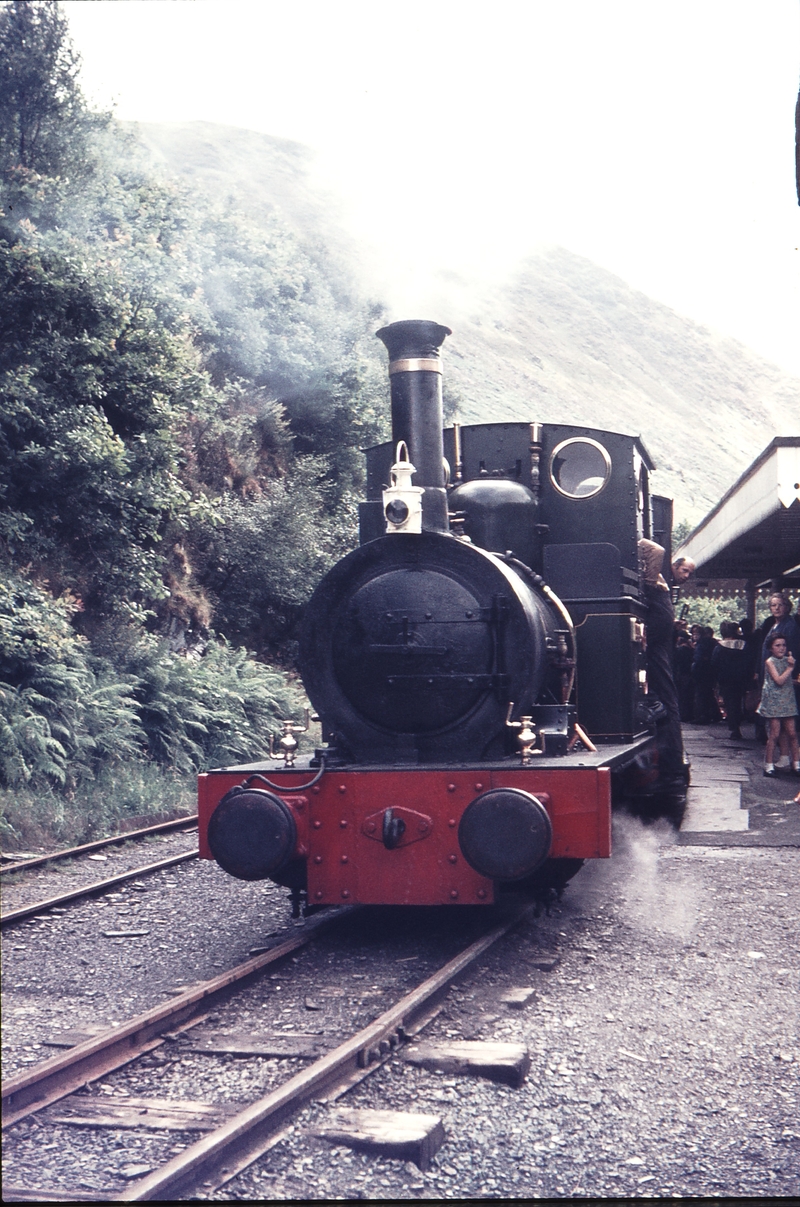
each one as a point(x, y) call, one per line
point(415, 373)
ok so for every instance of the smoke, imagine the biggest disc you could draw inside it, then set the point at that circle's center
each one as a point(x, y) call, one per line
point(652, 891)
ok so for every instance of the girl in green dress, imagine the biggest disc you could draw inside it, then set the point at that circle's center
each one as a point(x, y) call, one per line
point(778, 705)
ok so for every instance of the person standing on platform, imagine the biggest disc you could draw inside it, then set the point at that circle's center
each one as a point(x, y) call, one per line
point(778, 705)
point(682, 656)
point(706, 711)
point(660, 628)
point(783, 625)
point(752, 649)
point(730, 666)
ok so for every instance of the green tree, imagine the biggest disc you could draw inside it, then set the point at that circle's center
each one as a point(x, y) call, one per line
point(91, 390)
point(45, 124)
point(680, 532)
point(266, 552)
point(96, 360)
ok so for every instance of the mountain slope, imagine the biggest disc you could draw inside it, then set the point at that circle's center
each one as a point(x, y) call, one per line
point(564, 340)
point(569, 341)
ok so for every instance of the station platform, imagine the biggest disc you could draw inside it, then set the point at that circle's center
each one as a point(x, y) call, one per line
point(730, 802)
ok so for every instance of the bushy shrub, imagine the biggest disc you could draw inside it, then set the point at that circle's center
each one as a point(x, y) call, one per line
point(77, 723)
point(63, 712)
point(203, 712)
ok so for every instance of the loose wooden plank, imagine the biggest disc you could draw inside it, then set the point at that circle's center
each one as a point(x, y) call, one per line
point(110, 1111)
point(547, 961)
point(518, 998)
point(400, 1134)
point(507, 1063)
point(75, 1035)
point(277, 1046)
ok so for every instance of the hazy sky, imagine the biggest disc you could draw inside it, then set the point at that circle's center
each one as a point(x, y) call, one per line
point(656, 138)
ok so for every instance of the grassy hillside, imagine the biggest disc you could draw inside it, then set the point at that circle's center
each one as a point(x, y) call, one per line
point(568, 341)
point(564, 340)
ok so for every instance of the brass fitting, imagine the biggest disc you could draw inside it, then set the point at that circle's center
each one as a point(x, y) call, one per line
point(527, 738)
point(287, 742)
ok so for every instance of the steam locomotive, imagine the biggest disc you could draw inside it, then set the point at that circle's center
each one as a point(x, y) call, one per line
point(477, 666)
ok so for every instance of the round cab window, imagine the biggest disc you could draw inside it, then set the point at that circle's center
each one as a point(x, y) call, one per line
point(579, 468)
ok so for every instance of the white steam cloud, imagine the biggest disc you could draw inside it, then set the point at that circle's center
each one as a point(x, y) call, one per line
point(650, 891)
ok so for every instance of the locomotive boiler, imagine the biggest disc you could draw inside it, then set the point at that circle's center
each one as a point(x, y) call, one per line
point(476, 666)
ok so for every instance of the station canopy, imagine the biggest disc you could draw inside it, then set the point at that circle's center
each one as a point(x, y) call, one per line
point(753, 533)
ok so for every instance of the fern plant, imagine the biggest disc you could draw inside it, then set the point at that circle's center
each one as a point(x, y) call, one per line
point(28, 749)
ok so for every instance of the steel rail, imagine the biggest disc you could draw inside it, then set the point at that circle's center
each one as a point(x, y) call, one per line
point(222, 1154)
point(72, 852)
point(33, 1089)
point(89, 890)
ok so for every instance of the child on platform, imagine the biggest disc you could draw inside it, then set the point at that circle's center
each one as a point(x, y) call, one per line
point(778, 705)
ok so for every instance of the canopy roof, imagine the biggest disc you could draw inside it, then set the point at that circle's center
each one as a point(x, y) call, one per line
point(754, 531)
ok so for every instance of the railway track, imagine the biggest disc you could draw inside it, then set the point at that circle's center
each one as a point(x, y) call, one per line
point(8, 917)
point(235, 1136)
point(92, 890)
point(162, 827)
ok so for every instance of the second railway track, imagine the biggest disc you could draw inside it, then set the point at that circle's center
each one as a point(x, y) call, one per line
point(99, 844)
point(58, 869)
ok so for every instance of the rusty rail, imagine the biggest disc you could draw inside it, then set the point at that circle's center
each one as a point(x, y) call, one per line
point(89, 890)
point(73, 852)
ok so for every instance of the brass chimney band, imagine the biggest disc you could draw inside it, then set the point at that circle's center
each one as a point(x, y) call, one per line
point(416, 364)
